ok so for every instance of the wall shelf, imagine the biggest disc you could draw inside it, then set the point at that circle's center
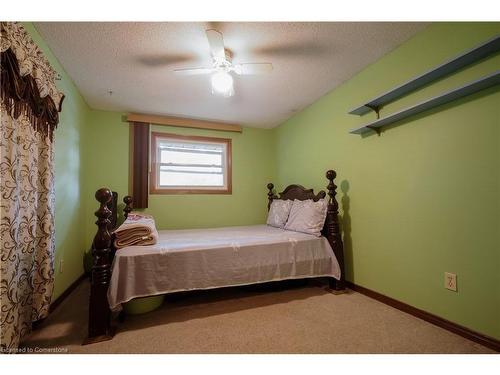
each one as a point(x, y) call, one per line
point(477, 53)
point(446, 97)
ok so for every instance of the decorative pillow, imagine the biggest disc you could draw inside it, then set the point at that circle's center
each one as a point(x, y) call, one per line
point(307, 216)
point(278, 213)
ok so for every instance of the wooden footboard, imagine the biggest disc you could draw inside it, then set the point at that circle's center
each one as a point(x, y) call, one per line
point(99, 313)
point(99, 326)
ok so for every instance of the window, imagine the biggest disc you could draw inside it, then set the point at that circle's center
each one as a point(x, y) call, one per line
point(190, 165)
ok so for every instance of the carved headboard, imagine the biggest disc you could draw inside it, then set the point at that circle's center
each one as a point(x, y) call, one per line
point(331, 228)
point(294, 192)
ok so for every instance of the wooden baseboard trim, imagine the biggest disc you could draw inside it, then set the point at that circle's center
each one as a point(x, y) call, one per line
point(66, 293)
point(484, 340)
point(36, 324)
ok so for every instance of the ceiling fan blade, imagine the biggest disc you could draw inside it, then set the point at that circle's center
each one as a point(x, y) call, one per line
point(253, 68)
point(193, 71)
point(216, 43)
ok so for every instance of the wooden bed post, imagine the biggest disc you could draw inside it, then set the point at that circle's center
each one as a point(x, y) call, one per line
point(333, 232)
point(128, 205)
point(270, 195)
point(99, 327)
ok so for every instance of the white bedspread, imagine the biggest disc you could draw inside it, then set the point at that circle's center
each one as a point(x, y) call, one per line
point(212, 258)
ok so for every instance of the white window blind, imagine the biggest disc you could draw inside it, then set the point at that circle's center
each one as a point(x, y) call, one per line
point(191, 164)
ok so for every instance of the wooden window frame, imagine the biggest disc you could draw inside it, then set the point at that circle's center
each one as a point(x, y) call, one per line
point(154, 165)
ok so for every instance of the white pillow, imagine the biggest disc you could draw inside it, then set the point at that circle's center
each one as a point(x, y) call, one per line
point(307, 216)
point(278, 213)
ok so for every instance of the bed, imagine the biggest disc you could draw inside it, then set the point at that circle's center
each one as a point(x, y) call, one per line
point(196, 259)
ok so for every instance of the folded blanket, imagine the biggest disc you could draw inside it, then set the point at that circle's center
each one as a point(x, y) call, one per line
point(138, 230)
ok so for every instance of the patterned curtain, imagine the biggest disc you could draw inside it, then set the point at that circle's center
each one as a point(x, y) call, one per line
point(30, 103)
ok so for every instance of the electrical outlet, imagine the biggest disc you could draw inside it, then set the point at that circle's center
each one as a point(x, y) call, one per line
point(61, 263)
point(450, 281)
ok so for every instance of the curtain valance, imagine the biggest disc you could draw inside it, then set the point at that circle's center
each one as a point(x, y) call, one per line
point(28, 80)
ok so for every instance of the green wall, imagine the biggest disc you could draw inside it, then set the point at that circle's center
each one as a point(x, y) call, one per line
point(423, 197)
point(253, 167)
point(69, 141)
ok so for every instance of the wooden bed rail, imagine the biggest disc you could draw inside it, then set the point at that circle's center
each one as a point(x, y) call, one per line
point(331, 229)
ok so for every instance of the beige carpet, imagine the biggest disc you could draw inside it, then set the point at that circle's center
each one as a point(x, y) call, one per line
point(304, 319)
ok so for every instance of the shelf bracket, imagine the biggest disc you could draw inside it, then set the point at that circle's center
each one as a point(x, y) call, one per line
point(377, 130)
point(374, 108)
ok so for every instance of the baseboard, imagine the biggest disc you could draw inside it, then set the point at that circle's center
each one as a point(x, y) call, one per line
point(66, 293)
point(35, 325)
point(487, 341)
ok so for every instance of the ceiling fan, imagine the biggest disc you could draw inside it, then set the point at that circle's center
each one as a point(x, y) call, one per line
point(222, 80)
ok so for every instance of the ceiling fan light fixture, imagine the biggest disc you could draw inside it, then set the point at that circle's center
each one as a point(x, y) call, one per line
point(222, 66)
point(222, 83)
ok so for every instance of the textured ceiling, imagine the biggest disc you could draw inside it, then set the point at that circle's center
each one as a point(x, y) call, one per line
point(136, 62)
